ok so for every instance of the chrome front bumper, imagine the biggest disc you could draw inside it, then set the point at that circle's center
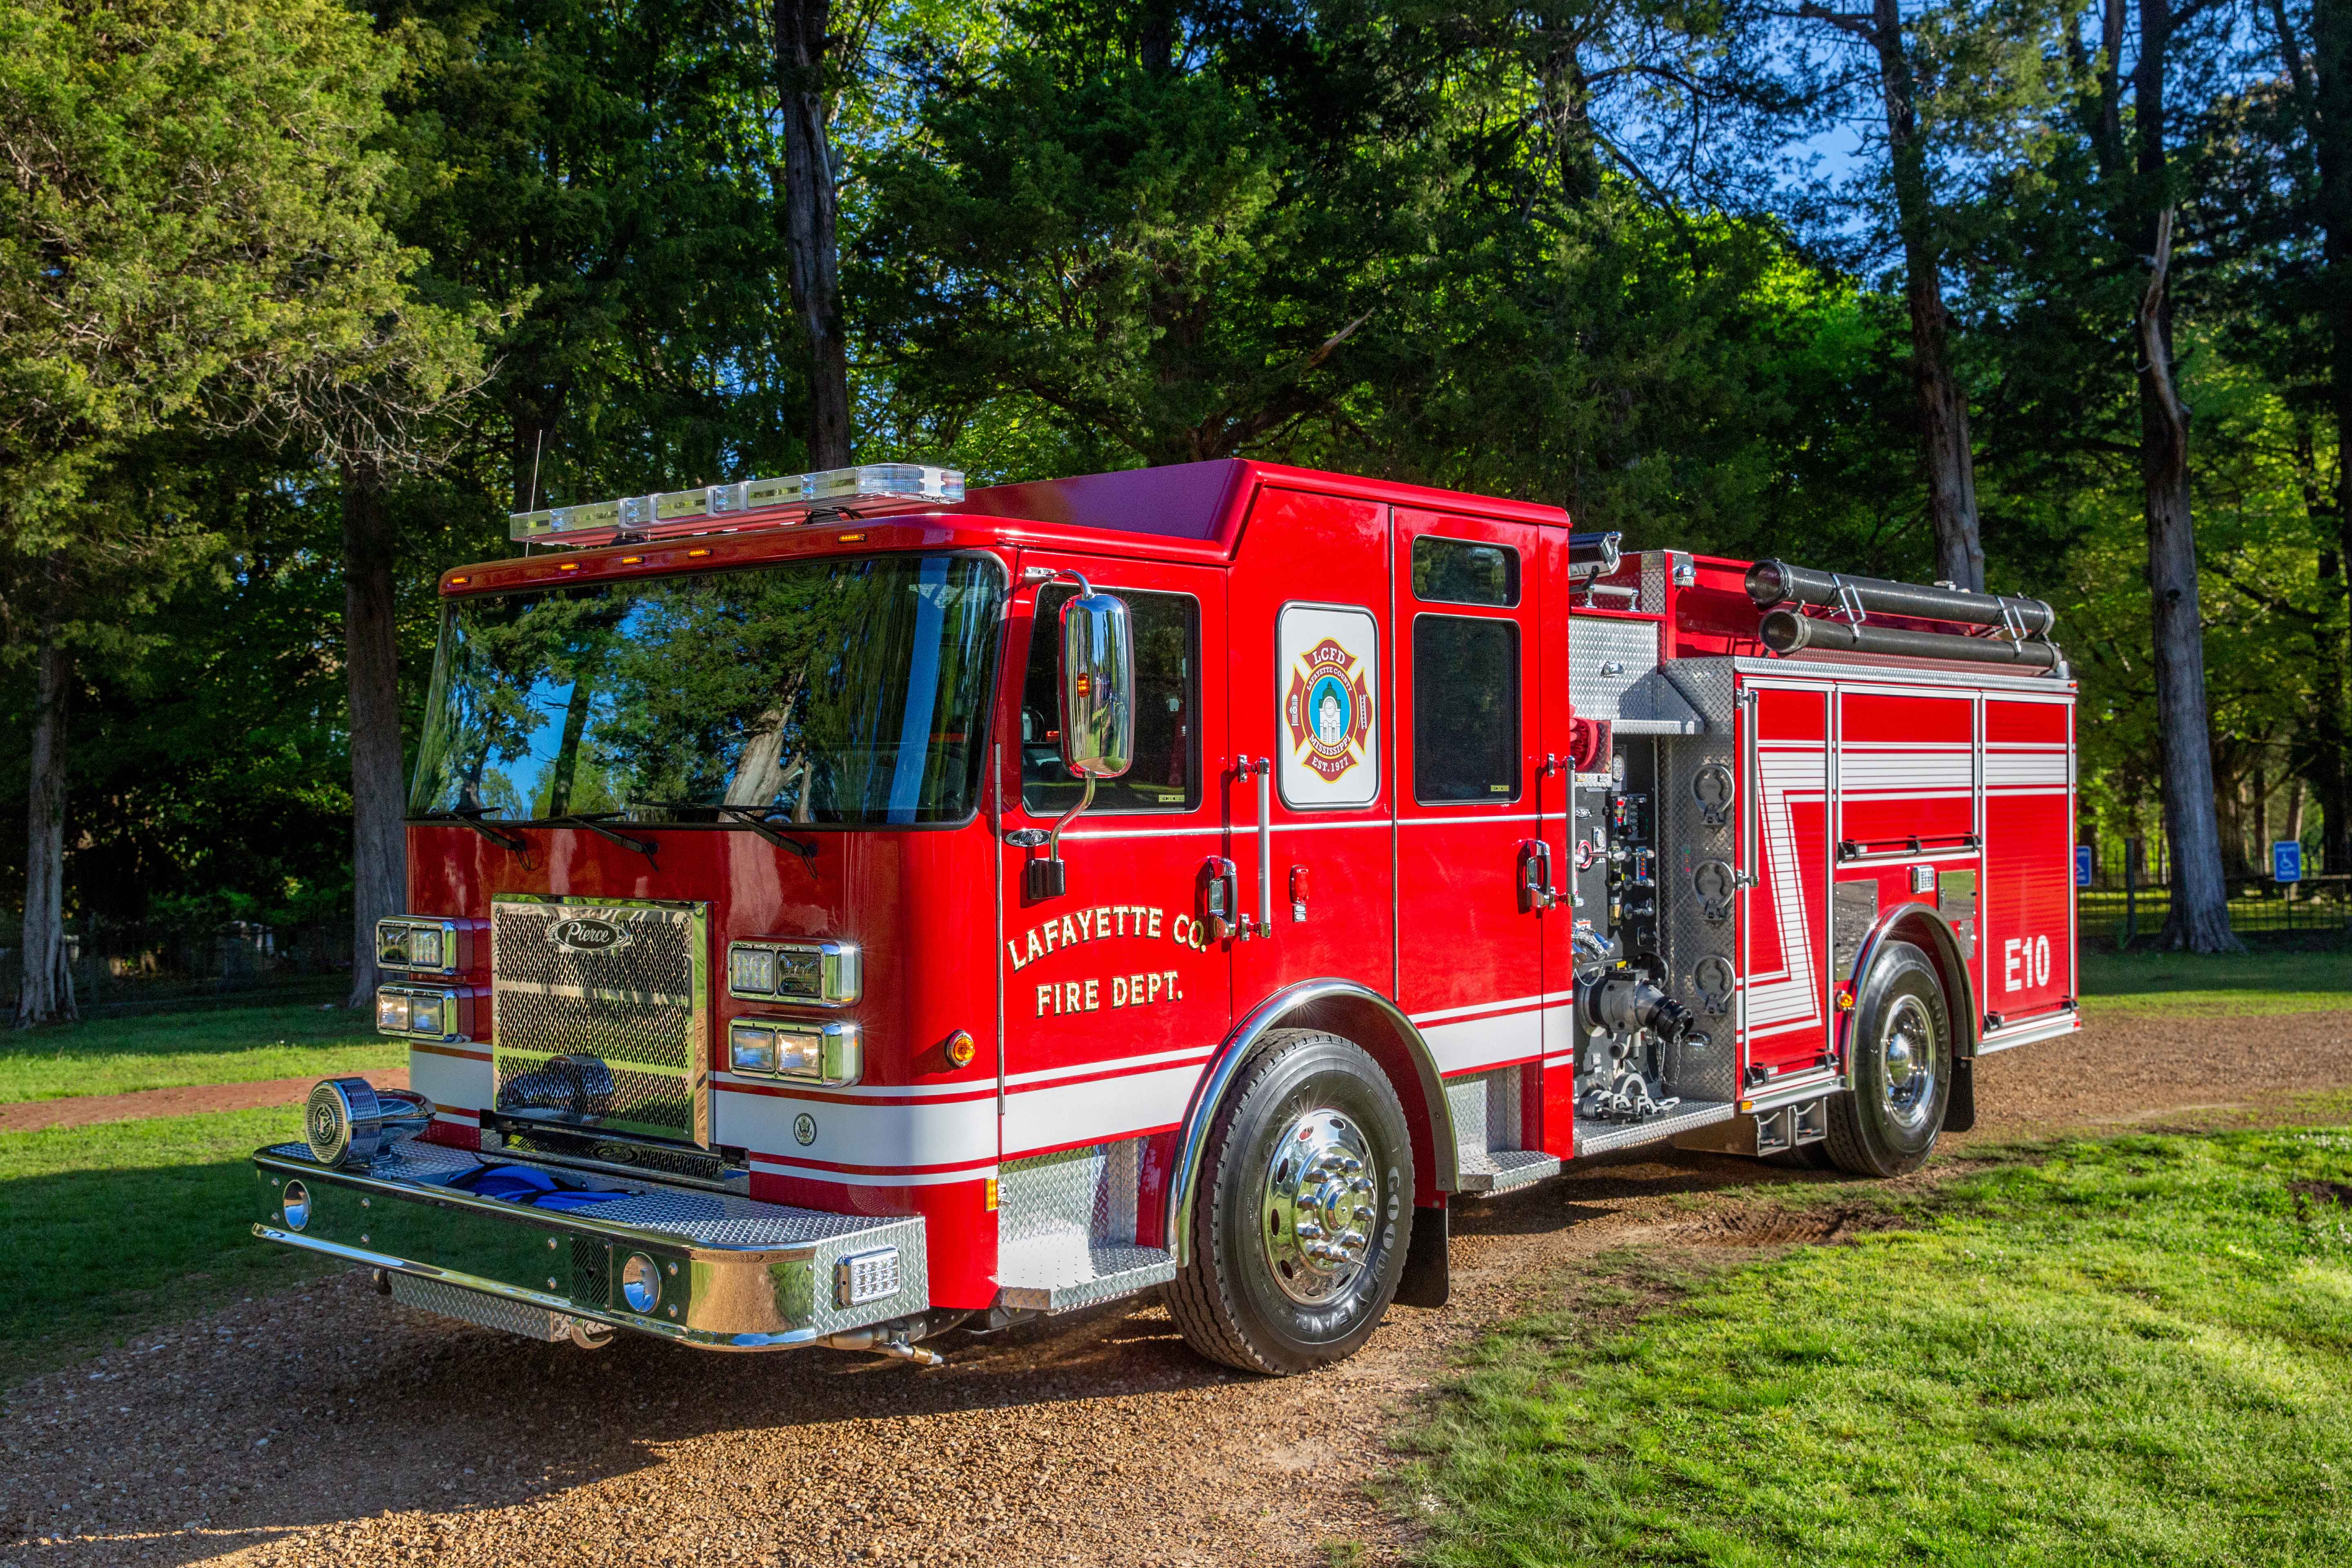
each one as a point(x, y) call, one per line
point(734, 1274)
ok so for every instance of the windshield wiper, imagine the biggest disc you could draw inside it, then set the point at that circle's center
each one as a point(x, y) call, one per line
point(594, 823)
point(503, 840)
point(754, 817)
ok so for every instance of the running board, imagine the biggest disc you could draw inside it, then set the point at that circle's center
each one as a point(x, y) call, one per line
point(1490, 1171)
point(1060, 1273)
point(1600, 1137)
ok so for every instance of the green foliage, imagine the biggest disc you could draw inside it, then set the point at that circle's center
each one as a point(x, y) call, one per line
point(2134, 1352)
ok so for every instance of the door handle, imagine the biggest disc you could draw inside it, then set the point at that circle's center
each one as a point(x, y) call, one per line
point(1220, 892)
point(1535, 892)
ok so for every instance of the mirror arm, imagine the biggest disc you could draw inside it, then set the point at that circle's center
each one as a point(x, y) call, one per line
point(1085, 799)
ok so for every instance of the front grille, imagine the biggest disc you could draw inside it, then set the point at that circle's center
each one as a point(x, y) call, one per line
point(600, 1016)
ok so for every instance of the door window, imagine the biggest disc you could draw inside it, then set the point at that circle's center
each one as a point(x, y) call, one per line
point(1465, 708)
point(1166, 772)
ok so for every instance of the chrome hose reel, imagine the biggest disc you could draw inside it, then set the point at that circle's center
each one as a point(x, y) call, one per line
point(348, 1121)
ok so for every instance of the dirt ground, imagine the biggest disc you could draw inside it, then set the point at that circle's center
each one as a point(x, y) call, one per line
point(327, 1426)
point(82, 1111)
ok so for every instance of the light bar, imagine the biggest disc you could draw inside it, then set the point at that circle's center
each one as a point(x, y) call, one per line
point(867, 487)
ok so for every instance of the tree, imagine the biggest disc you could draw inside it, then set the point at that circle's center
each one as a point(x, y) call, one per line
point(1950, 89)
point(807, 60)
point(190, 235)
point(2305, 113)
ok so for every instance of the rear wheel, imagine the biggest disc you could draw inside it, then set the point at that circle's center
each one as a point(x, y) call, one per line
point(1299, 1229)
point(1901, 1051)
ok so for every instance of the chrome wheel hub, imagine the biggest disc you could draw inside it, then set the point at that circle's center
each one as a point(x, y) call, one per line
point(1907, 1062)
point(1318, 1205)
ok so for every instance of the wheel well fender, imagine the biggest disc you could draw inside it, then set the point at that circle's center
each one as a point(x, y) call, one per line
point(1351, 1011)
point(1924, 928)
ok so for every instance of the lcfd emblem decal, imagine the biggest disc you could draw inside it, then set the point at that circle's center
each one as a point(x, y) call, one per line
point(1329, 709)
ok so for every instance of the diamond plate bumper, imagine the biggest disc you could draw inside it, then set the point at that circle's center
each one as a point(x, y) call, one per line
point(733, 1273)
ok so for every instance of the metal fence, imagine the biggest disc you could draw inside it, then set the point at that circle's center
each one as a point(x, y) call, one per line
point(120, 969)
point(2315, 909)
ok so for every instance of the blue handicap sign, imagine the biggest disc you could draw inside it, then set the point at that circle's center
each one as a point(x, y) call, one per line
point(2082, 865)
point(2286, 860)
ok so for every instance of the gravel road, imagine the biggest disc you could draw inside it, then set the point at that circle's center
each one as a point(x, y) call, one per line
point(327, 1426)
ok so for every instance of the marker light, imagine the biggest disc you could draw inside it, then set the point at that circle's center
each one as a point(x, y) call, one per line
point(961, 1048)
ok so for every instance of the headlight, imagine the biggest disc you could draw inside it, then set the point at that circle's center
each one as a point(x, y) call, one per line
point(752, 971)
point(752, 1049)
point(425, 944)
point(640, 1283)
point(422, 1013)
point(820, 974)
point(828, 1053)
point(296, 1199)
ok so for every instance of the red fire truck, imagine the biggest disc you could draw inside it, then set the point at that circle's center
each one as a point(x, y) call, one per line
point(845, 908)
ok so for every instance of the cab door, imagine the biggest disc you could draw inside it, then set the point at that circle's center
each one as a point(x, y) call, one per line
point(1472, 784)
point(1114, 995)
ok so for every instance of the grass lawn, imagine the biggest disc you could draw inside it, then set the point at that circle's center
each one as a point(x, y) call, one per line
point(166, 1050)
point(106, 1228)
point(2130, 1351)
point(2256, 982)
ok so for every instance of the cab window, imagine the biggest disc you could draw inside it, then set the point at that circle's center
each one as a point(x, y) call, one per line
point(1166, 772)
point(1465, 708)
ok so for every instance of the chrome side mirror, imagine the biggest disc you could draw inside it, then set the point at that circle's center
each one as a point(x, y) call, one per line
point(1098, 713)
point(1098, 686)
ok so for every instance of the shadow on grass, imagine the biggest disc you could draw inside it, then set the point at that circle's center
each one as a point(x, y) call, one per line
point(88, 1256)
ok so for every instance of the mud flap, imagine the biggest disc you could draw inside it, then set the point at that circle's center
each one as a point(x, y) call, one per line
point(1960, 1109)
point(1426, 1281)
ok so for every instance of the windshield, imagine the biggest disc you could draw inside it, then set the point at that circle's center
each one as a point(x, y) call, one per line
point(845, 691)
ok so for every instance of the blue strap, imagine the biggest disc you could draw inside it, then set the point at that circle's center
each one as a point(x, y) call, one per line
point(526, 1184)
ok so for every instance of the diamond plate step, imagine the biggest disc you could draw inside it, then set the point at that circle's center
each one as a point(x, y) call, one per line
point(1060, 1272)
point(1500, 1170)
point(483, 1309)
point(1600, 1137)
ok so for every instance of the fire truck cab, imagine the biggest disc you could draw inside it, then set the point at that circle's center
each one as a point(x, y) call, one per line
point(845, 908)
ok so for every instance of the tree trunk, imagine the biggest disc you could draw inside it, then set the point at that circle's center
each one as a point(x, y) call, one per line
point(811, 211)
point(2199, 915)
point(1945, 446)
point(371, 665)
point(47, 995)
point(2318, 92)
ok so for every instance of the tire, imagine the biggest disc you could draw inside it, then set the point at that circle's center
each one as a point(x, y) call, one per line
point(1901, 1057)
point(1310, 1135)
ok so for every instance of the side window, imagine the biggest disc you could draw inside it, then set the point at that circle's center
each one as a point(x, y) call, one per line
point(1461, 572)
point(1465, 708)
point(1166, 772)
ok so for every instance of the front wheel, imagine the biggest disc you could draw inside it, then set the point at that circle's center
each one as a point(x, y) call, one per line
point(1901, 1052)
point(1298, 1233)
